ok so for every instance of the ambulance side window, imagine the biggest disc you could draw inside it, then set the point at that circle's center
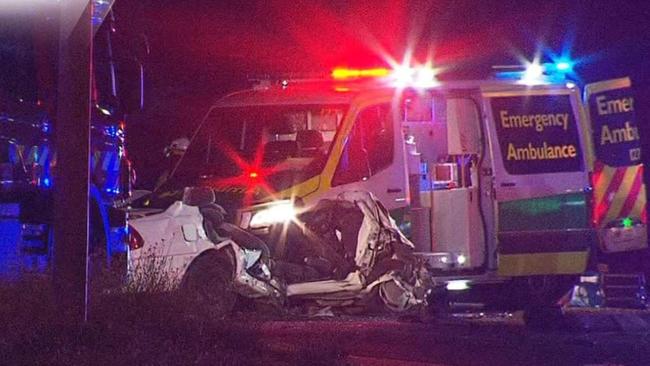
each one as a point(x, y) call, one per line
point(369, 146)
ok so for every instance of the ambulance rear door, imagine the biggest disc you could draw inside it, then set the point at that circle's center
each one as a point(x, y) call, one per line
point(619, 203)
point(541, 184)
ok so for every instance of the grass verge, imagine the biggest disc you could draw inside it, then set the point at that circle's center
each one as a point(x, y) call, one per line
point(125, 329)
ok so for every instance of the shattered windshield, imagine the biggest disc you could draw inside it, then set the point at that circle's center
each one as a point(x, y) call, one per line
point(275, 146)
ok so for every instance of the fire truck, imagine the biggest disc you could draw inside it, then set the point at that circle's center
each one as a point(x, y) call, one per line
point(520, 176)
point(28, 131)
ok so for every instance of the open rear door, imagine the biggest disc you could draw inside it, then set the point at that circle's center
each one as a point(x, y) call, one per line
point(541, 181)
point(619, 203)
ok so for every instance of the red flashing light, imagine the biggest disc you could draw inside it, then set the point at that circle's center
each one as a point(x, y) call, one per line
point(252, 177)
point(342, 73)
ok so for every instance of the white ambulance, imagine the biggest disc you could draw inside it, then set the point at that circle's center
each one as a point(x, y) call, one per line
point(490, 179)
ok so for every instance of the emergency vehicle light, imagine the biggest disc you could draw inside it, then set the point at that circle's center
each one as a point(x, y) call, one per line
point(563, 66)
point(278, 212)
point(532, 73)
point(627, 222)
point(414, 76)
point(457, 285)
point(343, 73)
point(401, 76)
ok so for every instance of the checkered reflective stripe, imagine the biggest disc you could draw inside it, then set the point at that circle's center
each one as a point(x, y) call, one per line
point(619, 192)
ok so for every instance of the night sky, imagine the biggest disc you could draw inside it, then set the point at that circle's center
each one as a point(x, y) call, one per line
point(202, 49)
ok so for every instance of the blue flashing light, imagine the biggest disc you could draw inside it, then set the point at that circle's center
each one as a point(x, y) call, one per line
point(563, 66)
point(47, 182)
point(112, 190)
point(111, 131)
point(508, 75)
point(536, 73)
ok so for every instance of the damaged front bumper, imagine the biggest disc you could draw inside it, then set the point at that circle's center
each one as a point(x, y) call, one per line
point(376, 243)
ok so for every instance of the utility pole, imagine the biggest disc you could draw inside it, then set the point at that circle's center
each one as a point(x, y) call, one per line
point(72, 172)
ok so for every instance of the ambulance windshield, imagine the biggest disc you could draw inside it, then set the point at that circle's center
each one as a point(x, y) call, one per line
point(283, 145)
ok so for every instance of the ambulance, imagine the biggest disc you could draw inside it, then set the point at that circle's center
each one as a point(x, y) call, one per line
point(490, 179)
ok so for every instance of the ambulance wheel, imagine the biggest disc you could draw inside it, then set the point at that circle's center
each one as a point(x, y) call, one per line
point(541, 301)
point(208, 286)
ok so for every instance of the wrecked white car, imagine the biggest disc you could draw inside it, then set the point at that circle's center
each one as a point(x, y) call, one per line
point(348, 253)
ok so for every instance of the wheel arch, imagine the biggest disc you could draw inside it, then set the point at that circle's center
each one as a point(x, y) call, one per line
point(219, 253)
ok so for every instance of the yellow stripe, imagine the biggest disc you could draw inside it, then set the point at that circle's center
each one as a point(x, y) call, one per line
point(603, 183)
point(542, 263)
point(639, 205)
point(300, 190)
point(621, 195)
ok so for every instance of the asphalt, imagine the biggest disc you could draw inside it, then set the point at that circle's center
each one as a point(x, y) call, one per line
point(580, 337)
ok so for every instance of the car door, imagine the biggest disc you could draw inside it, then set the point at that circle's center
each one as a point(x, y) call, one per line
point(370, 156)
point(541, 185)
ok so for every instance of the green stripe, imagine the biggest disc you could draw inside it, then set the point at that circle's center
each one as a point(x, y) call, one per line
point(558, 212)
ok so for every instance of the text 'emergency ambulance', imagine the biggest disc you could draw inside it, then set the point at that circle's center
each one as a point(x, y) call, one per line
point(537, 121)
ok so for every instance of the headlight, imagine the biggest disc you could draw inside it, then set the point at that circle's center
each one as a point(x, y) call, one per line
point(274, 214)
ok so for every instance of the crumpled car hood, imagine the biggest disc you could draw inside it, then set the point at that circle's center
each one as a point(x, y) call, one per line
point(383, 258)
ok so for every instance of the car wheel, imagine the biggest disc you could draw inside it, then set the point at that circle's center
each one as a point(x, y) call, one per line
point(208, 286)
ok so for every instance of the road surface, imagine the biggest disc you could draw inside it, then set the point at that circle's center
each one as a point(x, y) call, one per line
point(586, 337)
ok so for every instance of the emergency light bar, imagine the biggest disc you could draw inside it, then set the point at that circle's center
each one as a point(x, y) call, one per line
point(400, 77)
point(535, 73)
point(343, 74)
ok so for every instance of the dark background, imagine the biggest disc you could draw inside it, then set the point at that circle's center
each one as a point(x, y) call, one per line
point(202, 49)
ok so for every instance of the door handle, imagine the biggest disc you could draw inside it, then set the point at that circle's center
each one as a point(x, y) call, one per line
point(393, 190)
point(508, 184)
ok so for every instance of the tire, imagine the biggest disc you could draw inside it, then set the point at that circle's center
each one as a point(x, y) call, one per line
point(208, 286)
point(539, 291)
